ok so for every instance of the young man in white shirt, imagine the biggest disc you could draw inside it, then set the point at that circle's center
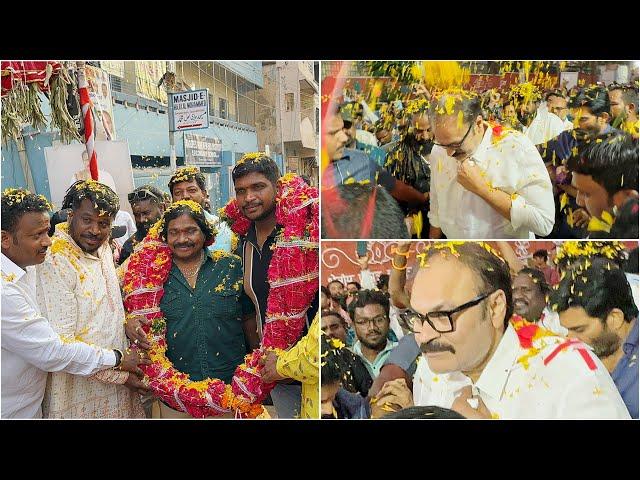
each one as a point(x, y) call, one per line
point(483, 363)
point(486, 181)
point(30, 347)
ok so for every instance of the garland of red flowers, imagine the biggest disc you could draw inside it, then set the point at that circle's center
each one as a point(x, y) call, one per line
point(292, 275)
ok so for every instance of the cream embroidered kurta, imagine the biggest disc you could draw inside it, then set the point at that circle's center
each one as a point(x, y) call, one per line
point(81, 297)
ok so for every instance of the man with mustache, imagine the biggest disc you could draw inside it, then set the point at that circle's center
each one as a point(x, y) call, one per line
point(530, 290)
point(255, 178)
point(371, 323)
point(188, 183)
point(78, 289)
point(484, 364)
point(147, 204)
point(596, 305)
point(30, 347)
point(486, 181)
point(409, 163)
point(210, 321)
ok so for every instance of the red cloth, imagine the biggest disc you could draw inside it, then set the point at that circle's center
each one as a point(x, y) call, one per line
point(26, 72)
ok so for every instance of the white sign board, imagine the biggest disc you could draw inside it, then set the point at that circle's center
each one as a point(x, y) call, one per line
point(189, 110)
point(65, 165)
point(202, 151)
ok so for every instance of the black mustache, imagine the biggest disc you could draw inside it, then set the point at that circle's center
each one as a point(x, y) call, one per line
point(249, 205)
point(91, 237)
point(180, 245)
point(433, 346)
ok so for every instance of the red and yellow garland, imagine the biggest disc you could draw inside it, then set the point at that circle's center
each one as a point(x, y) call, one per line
point(293, 274)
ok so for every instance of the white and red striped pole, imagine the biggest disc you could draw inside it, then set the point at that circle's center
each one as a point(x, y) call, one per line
point(85, 104)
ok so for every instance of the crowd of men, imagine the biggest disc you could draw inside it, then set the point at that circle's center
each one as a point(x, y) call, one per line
point(519, 162)
point(65, 336)
point(481, 334)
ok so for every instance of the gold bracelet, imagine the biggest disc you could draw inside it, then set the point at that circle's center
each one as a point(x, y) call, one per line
point(405, 254)
point(393, 264)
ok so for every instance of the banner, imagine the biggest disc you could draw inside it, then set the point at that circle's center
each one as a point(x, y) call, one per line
point(148, 75)
point(100, 95)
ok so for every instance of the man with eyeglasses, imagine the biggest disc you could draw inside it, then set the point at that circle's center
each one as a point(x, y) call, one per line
point(557, 104)
point(147, 203)
point(371, 323)
point(480, 361)
point(486, 181)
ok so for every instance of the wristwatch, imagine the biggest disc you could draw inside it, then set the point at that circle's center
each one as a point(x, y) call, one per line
point(118, 358)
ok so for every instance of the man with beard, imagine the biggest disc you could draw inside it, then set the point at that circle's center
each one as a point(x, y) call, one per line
point(596, 306)
point(605, 175)
point(530, 291)
point(78, 289)
point(30, 347)
point(540, 125)
point(409, 163)
point(255, 178)
point(480, 362)
point(624, 107)
point(486, 181)
point(591, 110)
point(188, 183)
point(349, 165)
point(147, 203)
point(371, 322)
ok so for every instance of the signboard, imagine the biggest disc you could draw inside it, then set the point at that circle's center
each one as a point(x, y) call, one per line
point(202, 151)
point(189, 110)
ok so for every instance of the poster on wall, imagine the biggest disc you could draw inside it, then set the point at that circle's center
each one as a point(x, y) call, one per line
point(100, 95)
point(571, 79)
point(68, 163)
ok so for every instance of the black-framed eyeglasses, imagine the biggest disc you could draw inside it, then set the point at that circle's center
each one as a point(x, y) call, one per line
point(441, 320)
point(143, 194)
point(455, 145)
point(378, 321)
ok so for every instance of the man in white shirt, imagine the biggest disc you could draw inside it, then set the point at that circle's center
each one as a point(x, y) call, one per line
point(486, 181)
point(485, 363)
point(595, 303)
point(557, 103)
point(30, 347)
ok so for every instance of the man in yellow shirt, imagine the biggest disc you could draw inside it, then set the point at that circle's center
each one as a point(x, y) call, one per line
point(302, 363)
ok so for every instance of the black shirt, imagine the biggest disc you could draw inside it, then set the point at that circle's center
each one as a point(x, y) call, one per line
point(129, 245)
point(261, 259)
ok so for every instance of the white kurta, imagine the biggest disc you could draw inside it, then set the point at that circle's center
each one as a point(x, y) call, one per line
point(564, 388)
point(510, 163)
point(81, 297)
point(30, 347)
point(545, 126)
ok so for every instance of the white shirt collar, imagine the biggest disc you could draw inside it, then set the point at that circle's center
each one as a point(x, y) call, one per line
point(480, 154)
point(10, 271)
point(495, 374)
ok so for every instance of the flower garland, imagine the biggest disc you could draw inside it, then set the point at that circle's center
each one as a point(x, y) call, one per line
point(292, 275)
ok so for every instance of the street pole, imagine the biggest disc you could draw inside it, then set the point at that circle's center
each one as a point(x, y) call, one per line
point(172, 146)
point(284, 158)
